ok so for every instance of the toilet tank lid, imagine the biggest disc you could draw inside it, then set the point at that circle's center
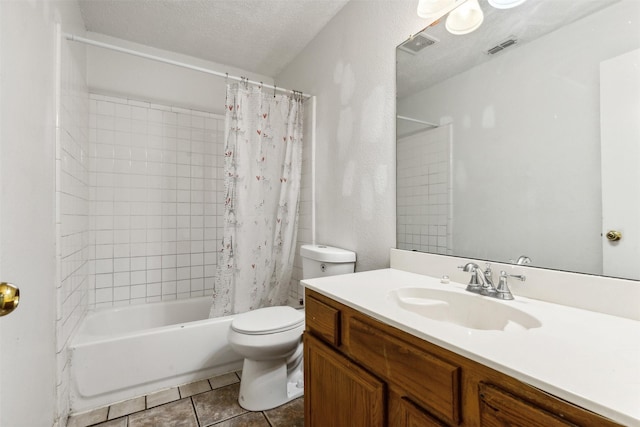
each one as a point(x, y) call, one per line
point(327, 253)
point(267, 320)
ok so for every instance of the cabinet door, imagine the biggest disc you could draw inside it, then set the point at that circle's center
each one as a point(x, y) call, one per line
point(337, 392)
point(405, 413)
point(428, 380)
point(499, 408)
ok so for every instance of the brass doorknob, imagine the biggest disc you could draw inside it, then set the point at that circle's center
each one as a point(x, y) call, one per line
point(614, 235)
point(9, 298)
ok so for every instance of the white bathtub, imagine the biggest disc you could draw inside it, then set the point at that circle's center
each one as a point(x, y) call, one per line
point(124, 352)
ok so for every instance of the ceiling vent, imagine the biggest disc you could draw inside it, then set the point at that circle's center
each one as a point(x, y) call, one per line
point(510, 41)
point(418, 42)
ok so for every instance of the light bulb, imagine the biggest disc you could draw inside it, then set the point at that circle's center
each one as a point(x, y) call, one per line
point(465, 18)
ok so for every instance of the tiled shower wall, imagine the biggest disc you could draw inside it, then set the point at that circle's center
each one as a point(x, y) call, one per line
point(156, 191)
point(74, 246)
point(424, 217)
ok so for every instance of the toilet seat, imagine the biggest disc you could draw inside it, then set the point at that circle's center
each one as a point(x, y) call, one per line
point(269, 320)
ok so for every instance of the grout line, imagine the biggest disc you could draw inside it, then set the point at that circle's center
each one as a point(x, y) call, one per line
point(195, 411)
point(264, 414)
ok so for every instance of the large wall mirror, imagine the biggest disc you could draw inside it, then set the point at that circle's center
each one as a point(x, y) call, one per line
point(522, 138)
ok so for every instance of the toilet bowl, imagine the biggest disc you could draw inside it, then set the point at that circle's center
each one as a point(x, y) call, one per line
point(270, 339)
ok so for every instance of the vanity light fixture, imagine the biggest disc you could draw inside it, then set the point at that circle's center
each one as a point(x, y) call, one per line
point(432, 10)
point(505, 4)
point(465, 18)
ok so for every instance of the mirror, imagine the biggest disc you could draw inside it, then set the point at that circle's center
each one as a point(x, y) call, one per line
point(523, 137)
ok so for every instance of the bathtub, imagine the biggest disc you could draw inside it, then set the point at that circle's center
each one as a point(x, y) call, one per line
point(124, 352)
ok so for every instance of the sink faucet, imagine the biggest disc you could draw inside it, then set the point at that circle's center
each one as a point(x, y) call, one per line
point(481, 281)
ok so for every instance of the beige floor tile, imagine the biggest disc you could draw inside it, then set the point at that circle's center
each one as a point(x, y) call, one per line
point(223, 380)
point(250, 419)
point(120, 422)
point(218, 405)
point(194, 388)
point(85, 419)
point(288, 415)
point(175, 414)
point(127, 407)
point(162, 397)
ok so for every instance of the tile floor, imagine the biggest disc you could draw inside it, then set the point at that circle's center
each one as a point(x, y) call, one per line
point(211, 402)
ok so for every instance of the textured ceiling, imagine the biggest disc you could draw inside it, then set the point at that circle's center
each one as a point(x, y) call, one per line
point(455, 54)
point(261, 36)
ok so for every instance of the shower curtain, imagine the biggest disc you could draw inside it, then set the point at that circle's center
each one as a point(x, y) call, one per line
point(262, 163)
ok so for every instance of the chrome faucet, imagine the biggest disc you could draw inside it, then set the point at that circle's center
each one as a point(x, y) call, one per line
point(481, 281)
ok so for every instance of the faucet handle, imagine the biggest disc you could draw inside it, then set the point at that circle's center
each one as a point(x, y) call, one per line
point(522, 260)
point(502, 290)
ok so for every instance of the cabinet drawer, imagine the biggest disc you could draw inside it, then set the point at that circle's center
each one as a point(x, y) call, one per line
point(323, 320)
point(426, 379)
point(500, 408)
point(524, 405)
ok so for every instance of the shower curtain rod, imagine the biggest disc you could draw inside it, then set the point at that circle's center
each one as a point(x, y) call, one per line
point(422, 122)
point(73, 37)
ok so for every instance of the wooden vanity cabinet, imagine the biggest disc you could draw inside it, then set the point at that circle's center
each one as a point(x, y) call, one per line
point(362, 372)
point(343, 393)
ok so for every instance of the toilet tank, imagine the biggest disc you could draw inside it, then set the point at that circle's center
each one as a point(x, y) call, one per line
point(321, 260)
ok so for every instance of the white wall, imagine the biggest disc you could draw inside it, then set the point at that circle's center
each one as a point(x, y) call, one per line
point(350, 66)
point(549, 166)
point(119, 74)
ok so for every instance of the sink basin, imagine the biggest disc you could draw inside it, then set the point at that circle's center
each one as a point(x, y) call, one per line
point(464, 309)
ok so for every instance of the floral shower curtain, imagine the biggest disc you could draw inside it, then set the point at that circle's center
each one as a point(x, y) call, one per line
point(262, 163)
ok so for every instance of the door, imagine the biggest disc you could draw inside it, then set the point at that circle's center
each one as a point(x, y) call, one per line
point(27, 212)
point(620, 147)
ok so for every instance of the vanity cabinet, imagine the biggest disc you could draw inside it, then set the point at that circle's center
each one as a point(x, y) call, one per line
point(337, 380)
point(362, 372)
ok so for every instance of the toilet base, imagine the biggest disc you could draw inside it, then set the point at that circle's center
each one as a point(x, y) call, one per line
point(265, 384)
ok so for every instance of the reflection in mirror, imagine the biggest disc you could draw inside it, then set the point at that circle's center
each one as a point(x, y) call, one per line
point(523, 137)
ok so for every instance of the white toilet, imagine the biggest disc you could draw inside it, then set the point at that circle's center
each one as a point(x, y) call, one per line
point(270, 339)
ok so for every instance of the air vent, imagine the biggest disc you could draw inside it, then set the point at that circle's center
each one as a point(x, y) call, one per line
point(502, 45)
point(418, 42)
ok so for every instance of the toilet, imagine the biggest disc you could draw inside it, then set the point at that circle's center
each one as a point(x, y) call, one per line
point(270, 339)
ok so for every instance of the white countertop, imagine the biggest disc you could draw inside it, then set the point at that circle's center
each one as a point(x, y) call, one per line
point(587, 358)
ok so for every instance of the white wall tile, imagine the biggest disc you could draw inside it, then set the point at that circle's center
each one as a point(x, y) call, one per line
point(151, 172)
